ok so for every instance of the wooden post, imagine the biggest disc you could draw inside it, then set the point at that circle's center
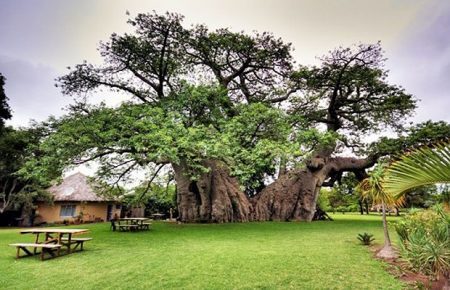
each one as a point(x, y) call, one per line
point(37, 242)
point(70, 242)
point(58, 251)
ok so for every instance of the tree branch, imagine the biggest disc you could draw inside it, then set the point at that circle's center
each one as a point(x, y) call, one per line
point(150, 182)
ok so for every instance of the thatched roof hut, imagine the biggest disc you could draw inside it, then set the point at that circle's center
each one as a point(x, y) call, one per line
point(76, 187)
point(75, 200)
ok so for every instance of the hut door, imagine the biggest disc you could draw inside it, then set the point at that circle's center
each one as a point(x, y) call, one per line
point(109, 212)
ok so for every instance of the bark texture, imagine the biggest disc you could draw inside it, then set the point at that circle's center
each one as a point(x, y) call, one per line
point(293, 196)
point(387, 252)
point(214, 197)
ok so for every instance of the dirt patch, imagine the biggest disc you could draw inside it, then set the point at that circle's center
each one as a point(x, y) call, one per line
point(400, 270)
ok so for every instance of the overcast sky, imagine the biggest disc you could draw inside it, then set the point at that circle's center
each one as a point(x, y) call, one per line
point(39, 39)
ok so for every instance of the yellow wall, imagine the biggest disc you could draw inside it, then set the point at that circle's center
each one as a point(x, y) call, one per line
point(91, 211)
point(48, 213)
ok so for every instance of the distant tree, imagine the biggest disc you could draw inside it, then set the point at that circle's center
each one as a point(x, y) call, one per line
point(418, 135)
point(15, 146)
point(156, 197)
point(422, 197)
point(342, 196)
point(444, 196)
point(5, 111)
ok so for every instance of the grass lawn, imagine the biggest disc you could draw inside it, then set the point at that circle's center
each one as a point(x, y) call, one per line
point(270, 255)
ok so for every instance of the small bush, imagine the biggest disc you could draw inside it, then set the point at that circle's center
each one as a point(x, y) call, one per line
point(353, 208)
point(342, 209)
point(366, 239)
point(425, 241)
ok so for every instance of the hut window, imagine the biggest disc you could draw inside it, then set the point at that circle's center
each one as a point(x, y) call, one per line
point(67, 210)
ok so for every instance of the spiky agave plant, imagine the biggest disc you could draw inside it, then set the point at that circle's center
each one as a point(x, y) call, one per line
point(366, 239)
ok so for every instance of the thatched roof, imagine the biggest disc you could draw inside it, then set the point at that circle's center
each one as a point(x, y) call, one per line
point(75, 187)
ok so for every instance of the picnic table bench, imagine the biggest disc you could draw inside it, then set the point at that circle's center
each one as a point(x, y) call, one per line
point(133, 224)
point(77, 242)
point(53, 241)
point(45, 248)
point(146, 226)
point(127, 227)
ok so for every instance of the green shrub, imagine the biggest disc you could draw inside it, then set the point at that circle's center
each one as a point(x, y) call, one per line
point(425, 241)
point(342, 209)
point(323, 201)
point(353, 208)
point(365, 238)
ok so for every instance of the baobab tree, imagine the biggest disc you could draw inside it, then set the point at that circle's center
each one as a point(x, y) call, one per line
point(225, 111)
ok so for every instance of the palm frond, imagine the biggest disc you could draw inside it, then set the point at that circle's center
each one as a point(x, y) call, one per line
point(426, 165)
point(373, 187)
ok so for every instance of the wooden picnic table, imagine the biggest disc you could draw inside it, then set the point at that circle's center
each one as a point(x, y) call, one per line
point(134, 219)
point(57, 237)
point(134, 223)
point(158, 216)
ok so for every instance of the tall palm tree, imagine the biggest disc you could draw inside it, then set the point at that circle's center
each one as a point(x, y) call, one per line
point(372, 187)
point(426, 165)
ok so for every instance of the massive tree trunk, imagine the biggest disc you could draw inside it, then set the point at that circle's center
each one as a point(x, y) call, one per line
point(293, 196)
point(214, 197)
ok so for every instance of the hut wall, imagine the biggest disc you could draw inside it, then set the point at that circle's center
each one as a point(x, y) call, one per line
point(49, 213)
point(98, 210)
point(92, 211)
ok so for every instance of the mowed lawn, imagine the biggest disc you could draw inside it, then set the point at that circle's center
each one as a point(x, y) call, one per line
point(270, 255)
